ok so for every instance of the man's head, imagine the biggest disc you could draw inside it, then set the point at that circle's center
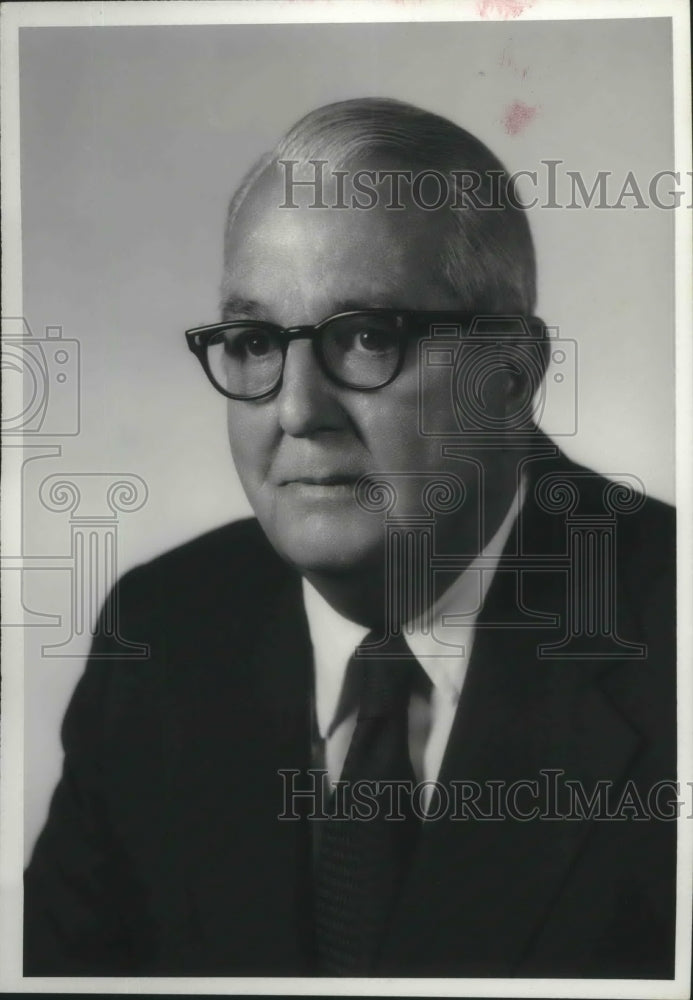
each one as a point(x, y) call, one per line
point(300, 450)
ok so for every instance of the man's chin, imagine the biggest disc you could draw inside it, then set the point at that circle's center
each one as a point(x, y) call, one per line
point(326, 546)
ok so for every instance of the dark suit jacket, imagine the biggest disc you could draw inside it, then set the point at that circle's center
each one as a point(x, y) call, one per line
point(163, 854)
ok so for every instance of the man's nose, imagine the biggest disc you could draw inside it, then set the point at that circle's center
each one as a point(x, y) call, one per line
point(307, 402)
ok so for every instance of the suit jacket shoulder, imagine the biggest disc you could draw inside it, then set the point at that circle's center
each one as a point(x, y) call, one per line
point(161, 751)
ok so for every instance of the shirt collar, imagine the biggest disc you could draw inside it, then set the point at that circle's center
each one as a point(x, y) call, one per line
point(442, 639)
point(335, 638)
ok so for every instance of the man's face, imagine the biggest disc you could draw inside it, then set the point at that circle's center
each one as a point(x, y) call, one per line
point(300, 451)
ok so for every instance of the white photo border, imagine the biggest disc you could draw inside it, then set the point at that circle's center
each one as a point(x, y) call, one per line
point(185, 12)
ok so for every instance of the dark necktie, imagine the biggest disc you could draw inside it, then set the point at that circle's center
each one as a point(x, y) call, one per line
point(361, 862)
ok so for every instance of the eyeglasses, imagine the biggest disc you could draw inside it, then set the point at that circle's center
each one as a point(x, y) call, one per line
point(363, 350)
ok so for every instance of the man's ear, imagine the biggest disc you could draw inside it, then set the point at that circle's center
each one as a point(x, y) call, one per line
point(545, 349)
point(526, 362)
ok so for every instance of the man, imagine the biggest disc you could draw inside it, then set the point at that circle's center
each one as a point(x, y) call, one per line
point(469, 636)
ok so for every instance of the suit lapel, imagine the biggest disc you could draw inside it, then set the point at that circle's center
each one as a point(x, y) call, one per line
point(490, 882)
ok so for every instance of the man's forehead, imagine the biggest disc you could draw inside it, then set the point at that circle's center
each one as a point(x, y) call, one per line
point(347, 253)
point(270, 201)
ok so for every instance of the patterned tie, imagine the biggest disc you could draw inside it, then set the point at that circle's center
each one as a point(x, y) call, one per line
point(361, 862)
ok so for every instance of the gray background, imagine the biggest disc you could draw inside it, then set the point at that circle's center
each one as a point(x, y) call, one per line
point(132, 140)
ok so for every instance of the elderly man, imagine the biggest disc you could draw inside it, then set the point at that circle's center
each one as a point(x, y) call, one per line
point(418, 718)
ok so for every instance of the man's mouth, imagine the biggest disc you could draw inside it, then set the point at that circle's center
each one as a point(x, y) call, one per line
point(328, 480)
point(337, 487)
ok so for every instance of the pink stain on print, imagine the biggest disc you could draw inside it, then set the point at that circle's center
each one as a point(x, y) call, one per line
point(504, 9)
point(518, 116)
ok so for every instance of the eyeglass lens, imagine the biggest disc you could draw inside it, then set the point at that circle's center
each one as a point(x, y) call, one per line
point(361, 351)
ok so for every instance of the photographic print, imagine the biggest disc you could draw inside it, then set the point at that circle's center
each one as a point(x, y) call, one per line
point(346, 485)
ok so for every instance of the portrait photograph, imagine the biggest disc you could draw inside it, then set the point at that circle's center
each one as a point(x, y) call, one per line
point(346, 544)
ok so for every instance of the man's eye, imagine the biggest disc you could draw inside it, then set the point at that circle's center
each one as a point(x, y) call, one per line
point(251, 344)
point(257, 344)
point(375, 341)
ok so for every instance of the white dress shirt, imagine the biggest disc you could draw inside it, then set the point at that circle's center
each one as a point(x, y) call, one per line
point(443, 650)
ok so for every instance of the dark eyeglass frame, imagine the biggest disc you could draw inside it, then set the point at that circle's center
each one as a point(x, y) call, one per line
point(408, 322)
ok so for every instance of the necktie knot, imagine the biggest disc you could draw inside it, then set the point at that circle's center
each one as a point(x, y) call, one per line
point(388, 673)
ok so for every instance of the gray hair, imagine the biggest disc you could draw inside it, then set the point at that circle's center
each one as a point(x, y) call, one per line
point(488, 257)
